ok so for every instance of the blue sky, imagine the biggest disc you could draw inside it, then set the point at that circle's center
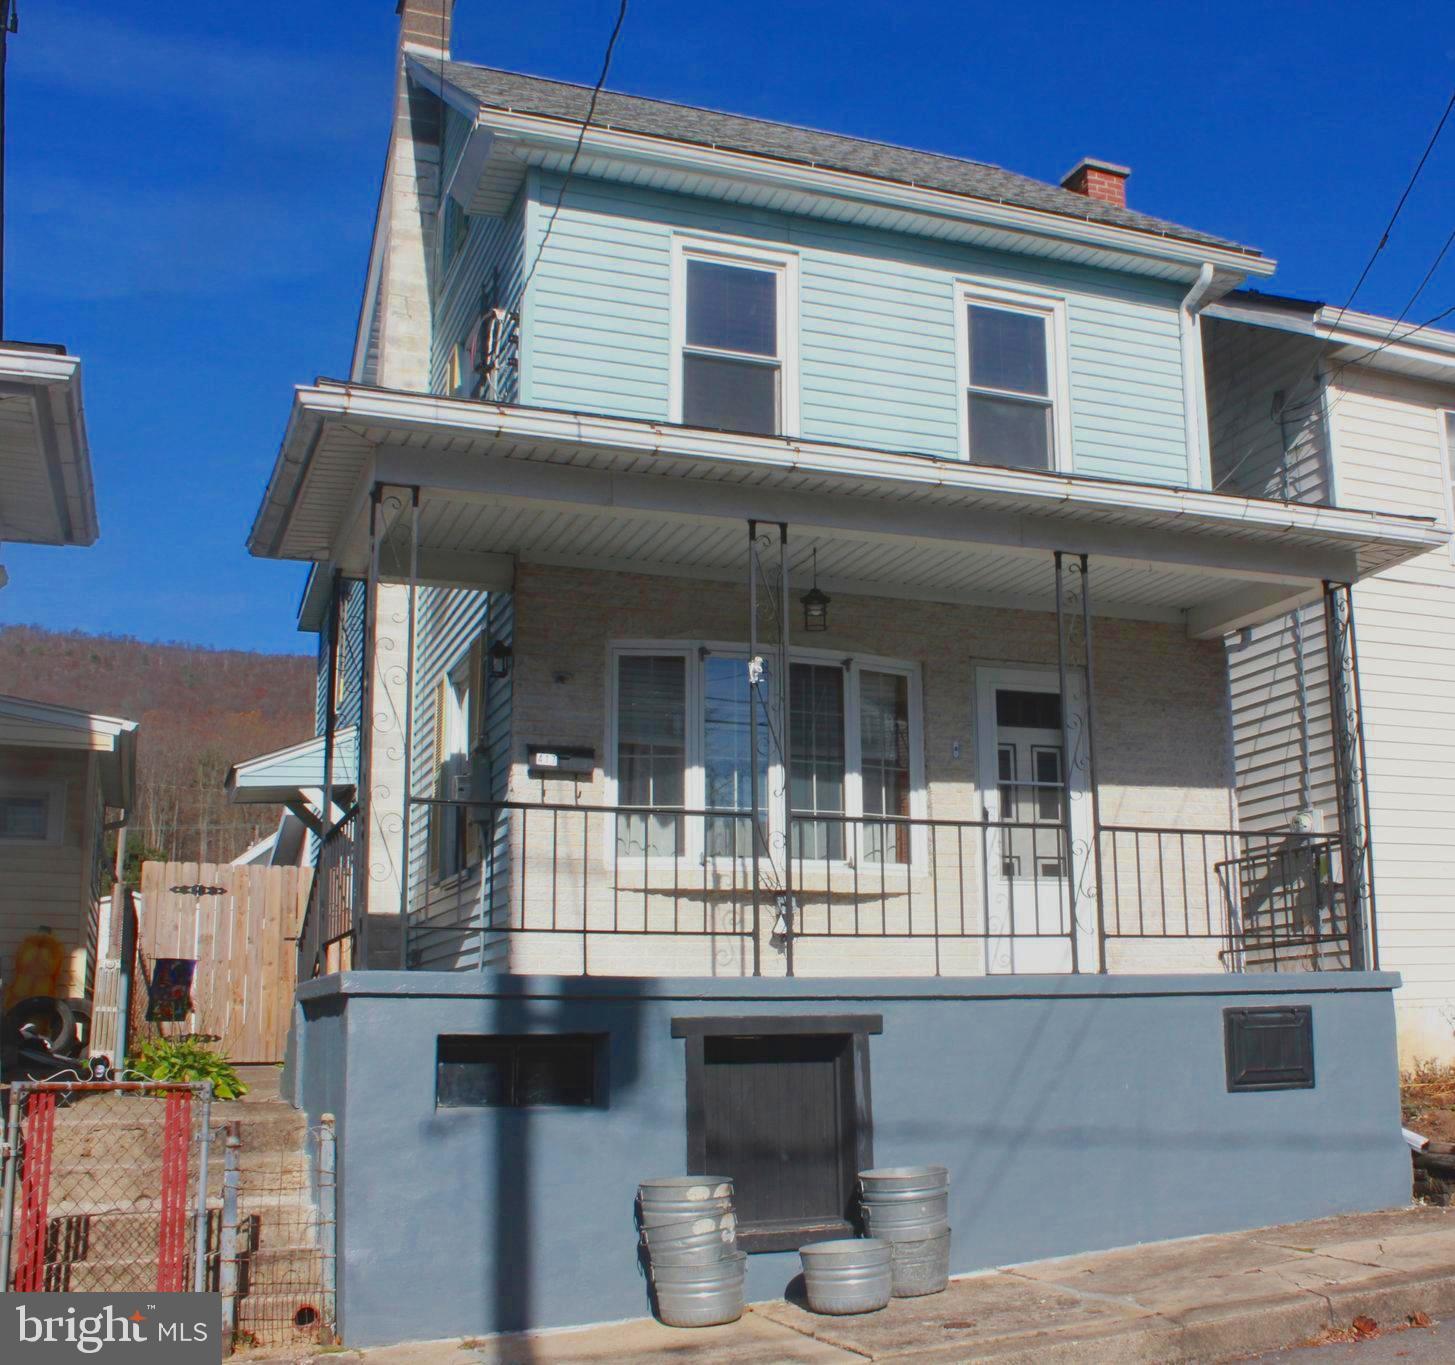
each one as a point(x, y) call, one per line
point(191, 190)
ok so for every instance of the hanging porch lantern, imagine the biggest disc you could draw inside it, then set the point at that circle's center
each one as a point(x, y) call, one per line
point(501, 655)
point(815, 603)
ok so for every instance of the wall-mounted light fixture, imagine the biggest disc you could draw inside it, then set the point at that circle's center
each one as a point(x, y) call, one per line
point(501, 657)
point(815, 602)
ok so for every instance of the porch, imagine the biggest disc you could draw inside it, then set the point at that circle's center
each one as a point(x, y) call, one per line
point(1005, 750)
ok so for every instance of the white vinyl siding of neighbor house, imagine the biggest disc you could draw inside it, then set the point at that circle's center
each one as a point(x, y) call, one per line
point(52, 884)
point(1266, 425)
point(1388, 451)
point(876, 327)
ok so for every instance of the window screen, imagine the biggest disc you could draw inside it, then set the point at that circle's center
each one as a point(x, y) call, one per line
point(1009, 400)
point(884, 760)
point(651, 721)
point(727, 751)
point(731, 371)
point(25, 817)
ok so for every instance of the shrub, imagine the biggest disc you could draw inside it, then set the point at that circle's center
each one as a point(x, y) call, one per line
point(180, 1059)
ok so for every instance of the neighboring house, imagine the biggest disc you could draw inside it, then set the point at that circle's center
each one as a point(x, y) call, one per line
point(1327, 406)
point(66, 778)
point(46, 494)
point(780, 585)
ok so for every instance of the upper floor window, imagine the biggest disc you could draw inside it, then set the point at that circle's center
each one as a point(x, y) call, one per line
point(1013, 407)
point(733, 361)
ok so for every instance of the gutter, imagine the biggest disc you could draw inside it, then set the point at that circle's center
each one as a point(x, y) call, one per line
point(1194, 385)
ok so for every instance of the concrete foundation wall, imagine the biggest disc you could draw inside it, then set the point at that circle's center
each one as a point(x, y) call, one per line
point(1074, 1114)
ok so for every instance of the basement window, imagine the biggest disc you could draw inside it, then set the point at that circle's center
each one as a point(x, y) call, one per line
point(527, 1071)
point(1269, 1048)
point(782, 1105)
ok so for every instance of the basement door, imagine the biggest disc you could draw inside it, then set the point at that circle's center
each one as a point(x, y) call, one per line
point(1022, 770)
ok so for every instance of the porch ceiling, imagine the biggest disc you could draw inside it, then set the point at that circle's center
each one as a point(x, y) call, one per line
point(528, 485)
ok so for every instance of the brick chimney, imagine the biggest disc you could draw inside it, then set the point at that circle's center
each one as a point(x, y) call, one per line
point(424, 25)
point(412, 187)
point(1097, 179)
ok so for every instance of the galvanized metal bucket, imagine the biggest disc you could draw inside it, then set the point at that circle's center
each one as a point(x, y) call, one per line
point(700, 1295)
point(698, 1242)
point(905, 1203)
point(921, 1266)
point(680, 1198)
point(850, 1275)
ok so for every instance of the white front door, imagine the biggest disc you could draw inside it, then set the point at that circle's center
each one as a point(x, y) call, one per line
point(1030, 908)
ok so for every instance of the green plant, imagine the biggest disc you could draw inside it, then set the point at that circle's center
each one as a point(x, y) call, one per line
point(180, 1059)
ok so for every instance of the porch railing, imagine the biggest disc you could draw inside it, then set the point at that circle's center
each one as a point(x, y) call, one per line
point(942, 896)
point(328, 918)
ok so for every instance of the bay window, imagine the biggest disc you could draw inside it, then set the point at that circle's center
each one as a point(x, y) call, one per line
point(733, 362)
point(683, 737)
point(1013, 410)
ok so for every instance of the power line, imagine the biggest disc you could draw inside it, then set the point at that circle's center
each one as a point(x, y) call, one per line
point(576, 154)
point(1383, 242)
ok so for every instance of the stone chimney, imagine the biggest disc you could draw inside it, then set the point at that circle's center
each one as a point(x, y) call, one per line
point(1096, 179)
point(411, 189)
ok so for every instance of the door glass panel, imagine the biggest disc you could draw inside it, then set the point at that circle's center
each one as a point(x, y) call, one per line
point(1031, 782)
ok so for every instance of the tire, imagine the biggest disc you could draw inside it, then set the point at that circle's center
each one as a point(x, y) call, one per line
point(55, 1019)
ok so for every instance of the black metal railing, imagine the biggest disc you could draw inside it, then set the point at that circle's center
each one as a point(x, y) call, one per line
point(1275, 900)
point(1257, 900)
point(328, 915)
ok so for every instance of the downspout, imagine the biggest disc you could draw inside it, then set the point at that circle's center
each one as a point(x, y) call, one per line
point(1194, 396)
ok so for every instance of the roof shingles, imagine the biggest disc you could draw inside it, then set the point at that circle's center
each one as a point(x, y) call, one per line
point(509, 90)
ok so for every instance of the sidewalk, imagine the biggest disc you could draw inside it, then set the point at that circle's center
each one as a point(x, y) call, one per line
point(1204, 1299)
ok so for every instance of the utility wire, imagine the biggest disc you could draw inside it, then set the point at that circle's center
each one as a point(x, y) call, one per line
point(576, 154)
point(1384, 237)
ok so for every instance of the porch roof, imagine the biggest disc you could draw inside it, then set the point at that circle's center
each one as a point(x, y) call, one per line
point(501, 484)
point(46, 493)
point(42, 725)
point(288, 774)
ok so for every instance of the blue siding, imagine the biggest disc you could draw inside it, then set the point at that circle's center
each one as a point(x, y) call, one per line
point(876, 325)
point(351, 660)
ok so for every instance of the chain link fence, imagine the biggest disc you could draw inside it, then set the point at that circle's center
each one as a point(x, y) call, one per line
point(104, 1186)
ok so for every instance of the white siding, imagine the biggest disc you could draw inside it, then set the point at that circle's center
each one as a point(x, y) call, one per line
point(1265, 417)
point(1388, 451)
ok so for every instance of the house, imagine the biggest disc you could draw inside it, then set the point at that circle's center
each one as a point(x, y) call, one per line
point(66, 779)
point(780, 586)
point(46, 493)
point(1336, 407)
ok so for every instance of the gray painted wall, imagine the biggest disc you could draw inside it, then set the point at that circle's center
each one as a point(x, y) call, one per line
point(1073, 1113)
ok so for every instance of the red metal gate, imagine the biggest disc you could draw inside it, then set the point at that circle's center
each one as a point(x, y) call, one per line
point(105, 1187)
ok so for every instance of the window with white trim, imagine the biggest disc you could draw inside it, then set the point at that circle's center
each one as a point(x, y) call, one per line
point(1013, 408)
point(683, 736)
point(454, 719)
point(734, 362)
point(31, 812)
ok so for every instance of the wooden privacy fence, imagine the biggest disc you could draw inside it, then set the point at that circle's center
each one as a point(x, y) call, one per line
point(242, 940)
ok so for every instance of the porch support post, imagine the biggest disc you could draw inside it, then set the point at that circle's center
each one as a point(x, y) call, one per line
point(364, 777)
point(1078, 749)
point(1066, 737)
point(1350, 774)
point(785, 721)
point(408, 812)
point(753, 745)
point(330, 706)
point(1092, 786)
